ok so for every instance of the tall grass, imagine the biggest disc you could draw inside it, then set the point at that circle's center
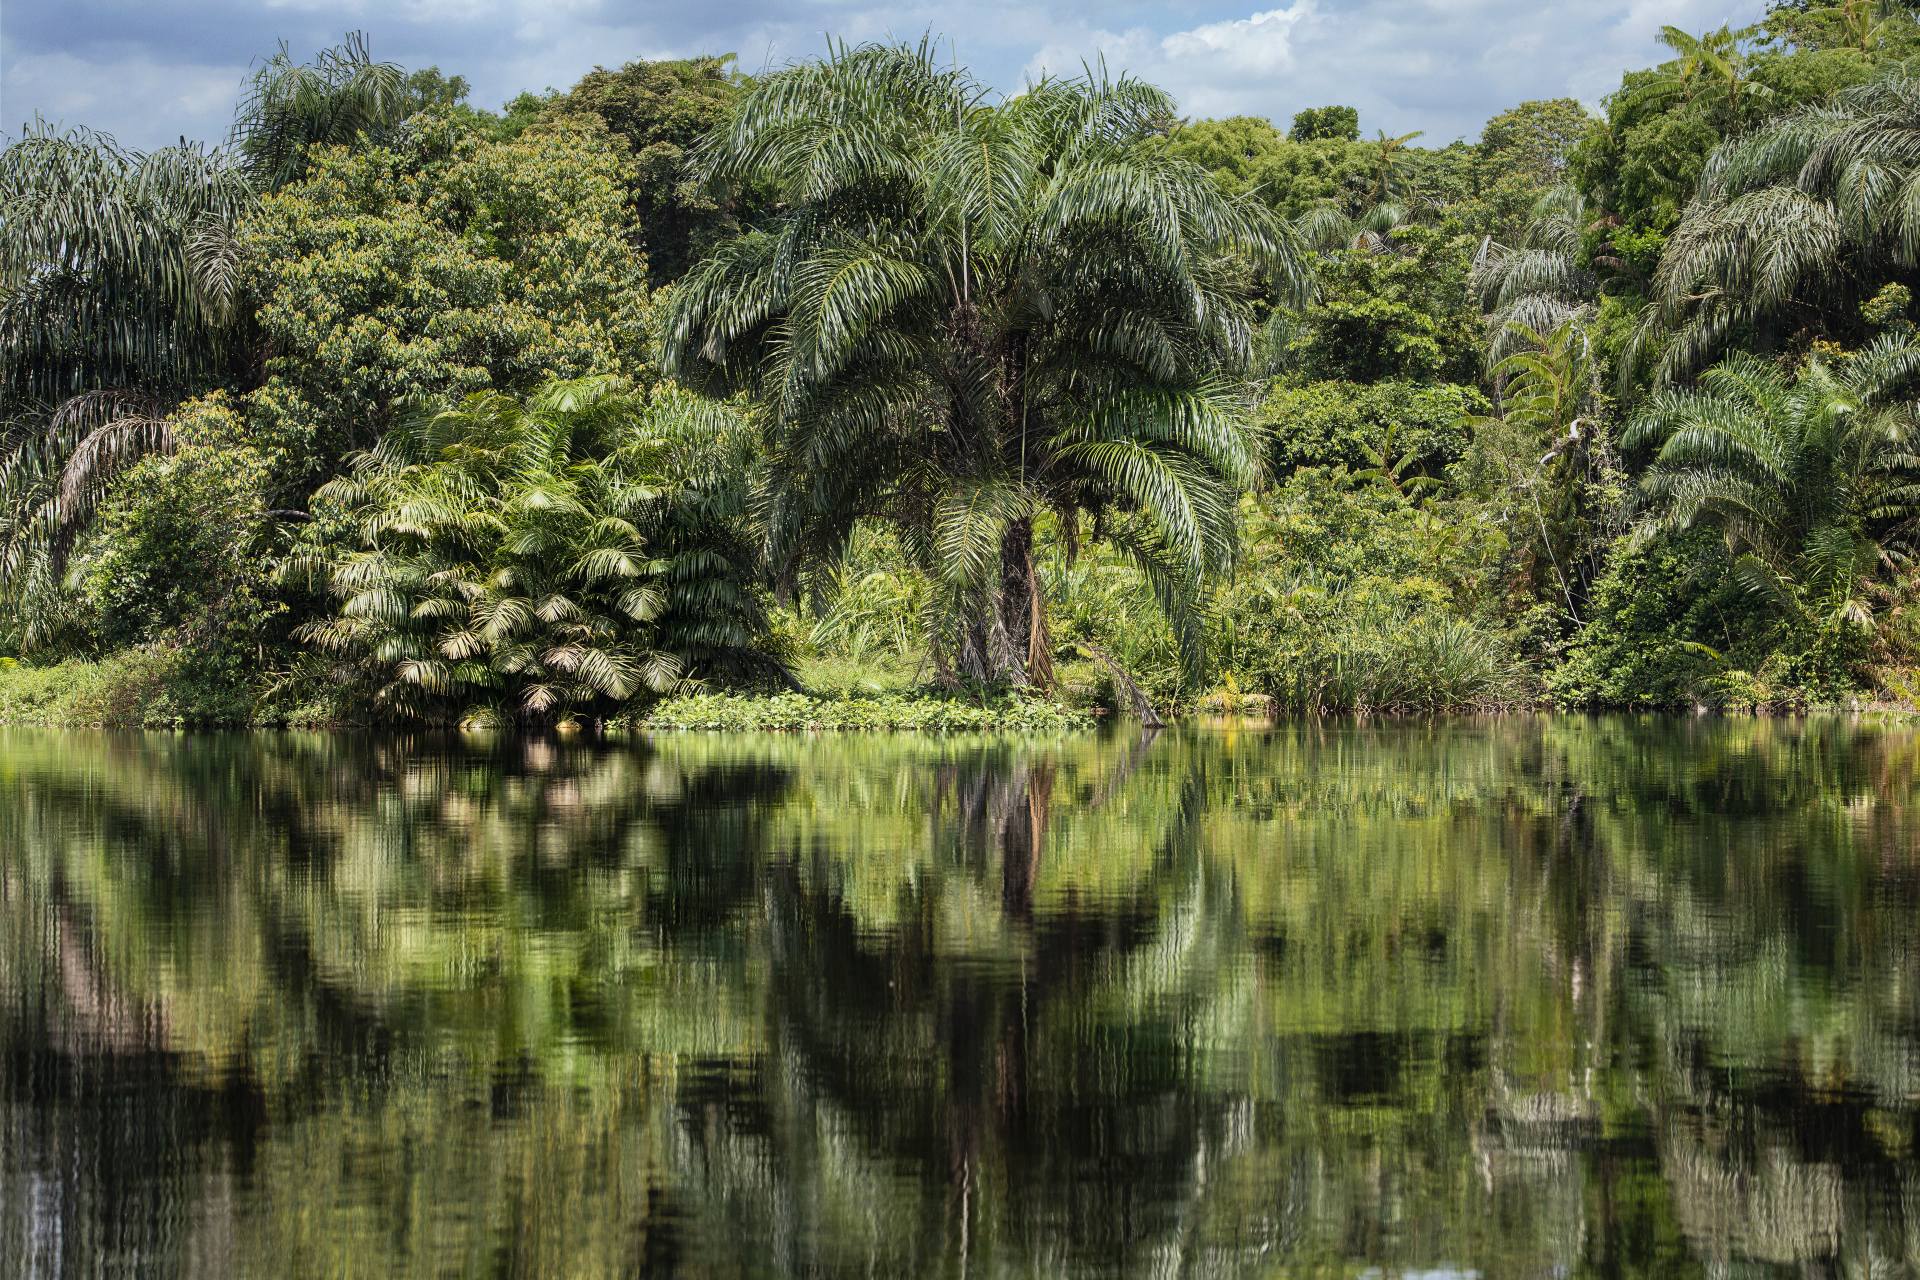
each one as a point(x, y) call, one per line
point(1412, 664)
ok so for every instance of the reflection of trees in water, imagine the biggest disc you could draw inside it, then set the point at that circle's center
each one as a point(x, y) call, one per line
point(1039, 1125)
point(1528, 993)
point(1760, 966)
point(452, 932)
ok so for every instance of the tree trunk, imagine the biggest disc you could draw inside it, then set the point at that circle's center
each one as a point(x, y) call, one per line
point(1004, 639)
point(1024, 838)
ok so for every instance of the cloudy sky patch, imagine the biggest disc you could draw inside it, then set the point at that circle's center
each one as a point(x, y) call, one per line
point(149, 72)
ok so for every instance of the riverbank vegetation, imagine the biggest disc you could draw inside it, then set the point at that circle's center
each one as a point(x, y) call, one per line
point(858, 379)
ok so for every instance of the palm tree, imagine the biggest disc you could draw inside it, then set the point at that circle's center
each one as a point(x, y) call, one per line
point(1396, 468)
point(1539, 284)
point(1327, 228)
point(1814, 481)
point(970, 314)
point(1551, 457)
point(1860, 24)
point(118, 272)
point(290, 108)
point(1715, 66)
point(1795, 222)
point(116, 293)
point(509, 559)
point(1389, 160)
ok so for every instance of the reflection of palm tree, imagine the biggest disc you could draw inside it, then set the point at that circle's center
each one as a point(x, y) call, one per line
point(830, 1006)
point(981, 1069)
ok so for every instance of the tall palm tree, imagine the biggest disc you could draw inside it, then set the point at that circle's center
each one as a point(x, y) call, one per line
point(117, 282)
point(1551, 457)
point(1715, 66)
point(969, 314)
point(1539, 284)
point(116, 293)
point(1794, 223)
point(1859, 24)
point(1327, 228)
point(1390, 160)
point(290, 108)
point(1814, 481)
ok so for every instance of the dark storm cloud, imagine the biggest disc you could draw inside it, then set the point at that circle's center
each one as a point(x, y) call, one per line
point(149, 72)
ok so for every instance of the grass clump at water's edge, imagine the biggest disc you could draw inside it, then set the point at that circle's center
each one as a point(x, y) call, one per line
point(1007, 712)
point(139, 687)
point(161, 687)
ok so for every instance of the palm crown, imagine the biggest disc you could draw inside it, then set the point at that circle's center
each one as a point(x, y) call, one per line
point(968, 313)
point(1814, 481)
point(115, 301)
point(1802, 217)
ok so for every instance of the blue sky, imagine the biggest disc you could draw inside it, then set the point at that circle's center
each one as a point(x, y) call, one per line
point(150, 71)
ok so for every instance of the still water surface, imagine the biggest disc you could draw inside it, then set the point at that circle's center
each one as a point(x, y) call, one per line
point(1521, 998)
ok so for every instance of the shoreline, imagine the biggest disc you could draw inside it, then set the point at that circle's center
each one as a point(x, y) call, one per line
point(149, 689)
point(85, 696)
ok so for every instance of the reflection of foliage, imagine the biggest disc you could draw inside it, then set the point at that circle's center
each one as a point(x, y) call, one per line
point(1544, 994)
point(1006, 712)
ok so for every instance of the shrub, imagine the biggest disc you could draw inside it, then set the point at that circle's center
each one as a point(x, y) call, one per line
point(1351, 598)
point(863, 619)
point(1664, 627)
point(531, 561)
point(178, 550)
point(148, 687)
point(1349, 423)
point(1405, 315)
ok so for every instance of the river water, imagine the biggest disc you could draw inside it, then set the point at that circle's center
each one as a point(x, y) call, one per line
point(1522, 997)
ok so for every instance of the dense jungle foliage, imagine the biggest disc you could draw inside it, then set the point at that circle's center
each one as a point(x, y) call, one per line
point(857, 379)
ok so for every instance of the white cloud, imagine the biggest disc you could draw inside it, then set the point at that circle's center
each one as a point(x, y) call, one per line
point(1443, 66)
point(149, 73)
point(1261, 44)
point(1195, 65)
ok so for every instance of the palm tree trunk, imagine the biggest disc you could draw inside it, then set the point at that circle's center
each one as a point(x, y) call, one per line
point(1006, 641)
